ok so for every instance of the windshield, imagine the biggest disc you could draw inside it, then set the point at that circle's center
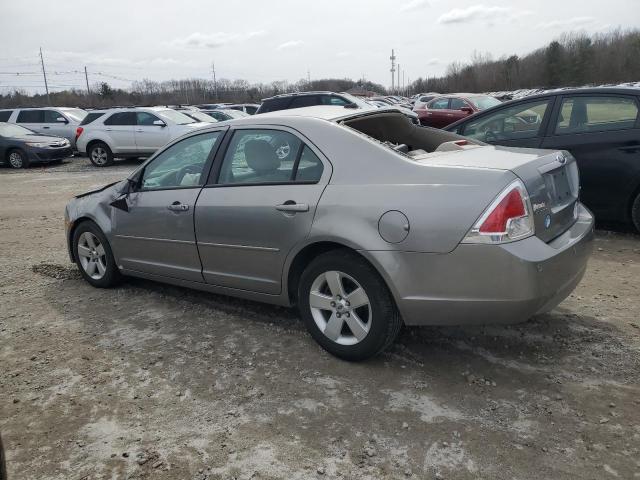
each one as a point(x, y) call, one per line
point(198, 116)
point(76, 114)
point(482, 103)
point(10, 130)
point(175, 117)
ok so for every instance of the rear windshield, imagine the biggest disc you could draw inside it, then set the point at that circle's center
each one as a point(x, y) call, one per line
point(76, 114)
point(90, 117)
point(482, 103)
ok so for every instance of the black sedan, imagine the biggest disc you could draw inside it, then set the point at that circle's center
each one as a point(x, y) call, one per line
point(599, 126)
point(20, 147)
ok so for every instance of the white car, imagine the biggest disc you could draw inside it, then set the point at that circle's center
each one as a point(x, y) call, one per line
point(56, 121)
point(130, 132)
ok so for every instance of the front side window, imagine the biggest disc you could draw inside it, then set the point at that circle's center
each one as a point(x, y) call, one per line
point(268, 156)
point(146, 119)
point(121, 118)
point(596, 114)
point(457, 104)
point(439, 104)
point(521, 121)
point(30, 116)
point(180, 165)
point(51, 116)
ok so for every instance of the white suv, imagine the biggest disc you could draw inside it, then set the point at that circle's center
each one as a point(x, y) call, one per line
point(130, 132)
point(57, 121)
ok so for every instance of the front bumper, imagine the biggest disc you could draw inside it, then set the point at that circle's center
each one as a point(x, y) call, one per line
point(487, 284)
point(44, 155)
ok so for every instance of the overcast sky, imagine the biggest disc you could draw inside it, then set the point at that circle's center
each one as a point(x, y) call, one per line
point(266, 40)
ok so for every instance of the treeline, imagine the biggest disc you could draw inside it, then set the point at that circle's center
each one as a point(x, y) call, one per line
point(575, 59)
point(175, 92)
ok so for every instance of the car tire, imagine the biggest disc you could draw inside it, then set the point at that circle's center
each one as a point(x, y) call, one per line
point(635, 212)
point(93, 255)
point(100, 154)
point(16, 158)
point(329, 315)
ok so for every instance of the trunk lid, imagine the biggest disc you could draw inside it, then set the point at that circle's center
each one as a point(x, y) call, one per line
point(551, 178)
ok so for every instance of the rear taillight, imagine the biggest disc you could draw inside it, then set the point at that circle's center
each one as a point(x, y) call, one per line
point(508, 218)
point(79, 131)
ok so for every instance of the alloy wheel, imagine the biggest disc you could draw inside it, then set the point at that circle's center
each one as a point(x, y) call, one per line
point(99, 156)
point(15, 159)
point(340, 308)
point(92, 255)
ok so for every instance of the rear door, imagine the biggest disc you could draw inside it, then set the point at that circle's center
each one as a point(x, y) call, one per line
point(33, 120)
point(455, 110)
point(119, 128)
point(149, 136)
point(520, 125)
point(156, 234)
point(259, 204)
point(603, 133)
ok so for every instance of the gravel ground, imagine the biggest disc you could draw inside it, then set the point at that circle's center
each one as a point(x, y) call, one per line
point(154, 381)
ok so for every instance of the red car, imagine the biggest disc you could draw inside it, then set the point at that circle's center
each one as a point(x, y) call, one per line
point(446, 109)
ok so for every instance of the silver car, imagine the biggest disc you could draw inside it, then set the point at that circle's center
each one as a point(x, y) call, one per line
point(365, 221)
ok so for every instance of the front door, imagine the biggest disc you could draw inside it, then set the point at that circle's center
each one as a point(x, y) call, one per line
point(261, 206)
point(156, 234)
point(603, 134)
point(150, 135)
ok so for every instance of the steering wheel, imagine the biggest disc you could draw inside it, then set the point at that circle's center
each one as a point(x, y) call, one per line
point(490, 136)
point(187, 169)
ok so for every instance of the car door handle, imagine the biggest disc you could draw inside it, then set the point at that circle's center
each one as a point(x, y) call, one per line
point(178, 207)
point(291, 206)
point(108, 129)
point(139, 130)
point(46, 127)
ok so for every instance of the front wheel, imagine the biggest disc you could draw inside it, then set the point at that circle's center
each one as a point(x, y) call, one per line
point(346, 306)
point(100, 154)
point(94, 257)
point(635, 212)
point(17, 159)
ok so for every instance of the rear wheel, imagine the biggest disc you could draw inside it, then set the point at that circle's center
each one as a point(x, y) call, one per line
point(635, 212)
point(100, 154)
point(17, 159)
point(347, 307)
point(94, 257)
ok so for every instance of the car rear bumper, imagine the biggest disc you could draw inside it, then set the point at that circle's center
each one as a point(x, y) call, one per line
point(487, 284)
point(43, 155)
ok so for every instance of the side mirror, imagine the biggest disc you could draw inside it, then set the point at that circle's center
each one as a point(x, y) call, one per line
point(62, 120)
point(467, 110)
point(159, 123)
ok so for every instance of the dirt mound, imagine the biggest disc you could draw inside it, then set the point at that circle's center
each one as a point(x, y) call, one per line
point(57, 271)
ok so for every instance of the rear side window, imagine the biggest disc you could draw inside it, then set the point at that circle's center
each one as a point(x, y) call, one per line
point(440, 104)
point(4, 115)
point(146, 119)
point(332, 100)
point(122, 118)
point(274, 105)
point(305, 101)
point(30, 116)
point(596, 114)
point(91, 116)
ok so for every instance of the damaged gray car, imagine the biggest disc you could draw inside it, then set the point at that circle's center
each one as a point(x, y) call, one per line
point(361, 219)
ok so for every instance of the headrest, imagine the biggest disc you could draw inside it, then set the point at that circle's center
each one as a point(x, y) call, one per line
point(261, 156)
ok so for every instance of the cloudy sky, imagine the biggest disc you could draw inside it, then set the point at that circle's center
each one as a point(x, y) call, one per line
point(266, 40)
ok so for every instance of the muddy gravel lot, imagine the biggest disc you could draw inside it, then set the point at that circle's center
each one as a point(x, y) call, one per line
point(154, 381)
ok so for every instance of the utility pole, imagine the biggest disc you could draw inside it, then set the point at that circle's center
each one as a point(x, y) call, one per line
point(398, 78)
point(215, 84)
point(403, 84)
point(44, 74)
point(393, 69)
point(86, 78)
point(308, 78)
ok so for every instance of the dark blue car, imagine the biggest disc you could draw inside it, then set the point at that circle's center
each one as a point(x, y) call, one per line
point(599, 126)
point(21, 147)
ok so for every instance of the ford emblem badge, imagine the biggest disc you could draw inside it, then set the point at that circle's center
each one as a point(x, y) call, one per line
point(547, 221)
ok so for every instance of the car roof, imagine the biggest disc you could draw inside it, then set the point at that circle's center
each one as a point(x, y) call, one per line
point(301, 94)
point(332, 113)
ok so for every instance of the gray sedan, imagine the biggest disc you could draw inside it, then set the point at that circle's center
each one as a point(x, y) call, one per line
point(362, 219)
